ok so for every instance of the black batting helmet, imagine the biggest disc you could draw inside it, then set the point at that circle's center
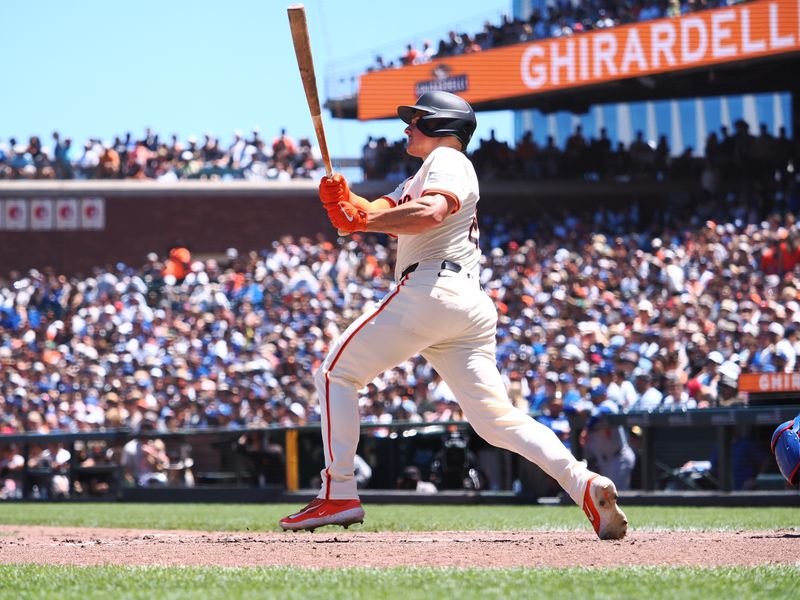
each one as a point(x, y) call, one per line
point(442, 113)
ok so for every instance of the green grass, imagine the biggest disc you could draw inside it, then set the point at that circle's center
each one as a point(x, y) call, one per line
point(34, 581)
point(50, 581)
point(264, 517)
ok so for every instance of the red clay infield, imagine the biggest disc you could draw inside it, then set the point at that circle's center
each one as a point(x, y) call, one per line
point(339, 548)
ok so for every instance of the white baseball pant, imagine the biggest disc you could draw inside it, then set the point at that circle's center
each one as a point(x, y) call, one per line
point(446, 317)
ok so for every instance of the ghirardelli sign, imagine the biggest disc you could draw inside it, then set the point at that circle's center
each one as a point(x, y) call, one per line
point(443, 81)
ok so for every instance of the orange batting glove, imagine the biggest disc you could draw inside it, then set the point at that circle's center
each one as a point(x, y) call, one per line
point(333, 190)
point(346, 217)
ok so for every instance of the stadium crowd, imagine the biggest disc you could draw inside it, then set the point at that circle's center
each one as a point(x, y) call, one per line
point(560, 18)
point(736, 153)
point(153, 157)
point(663, 315)
point(602, 311)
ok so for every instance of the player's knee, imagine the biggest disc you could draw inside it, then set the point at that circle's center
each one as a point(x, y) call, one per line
point(489, 433)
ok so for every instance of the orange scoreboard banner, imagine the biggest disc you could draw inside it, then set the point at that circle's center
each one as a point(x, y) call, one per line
point(769, 383)
point(751, 30)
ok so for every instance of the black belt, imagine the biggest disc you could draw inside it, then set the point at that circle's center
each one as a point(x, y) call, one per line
point(447, 265)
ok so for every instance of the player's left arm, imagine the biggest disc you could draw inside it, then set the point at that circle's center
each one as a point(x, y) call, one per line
point(413, 217)
point(444, 186)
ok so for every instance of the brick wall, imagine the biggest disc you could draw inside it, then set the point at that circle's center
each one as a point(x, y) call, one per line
point(209, 217)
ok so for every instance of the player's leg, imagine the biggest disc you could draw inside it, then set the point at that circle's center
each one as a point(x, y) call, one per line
point(368, 347)
point(402, 324)
point(472, 375)
point(409, 319)
point(380, 339)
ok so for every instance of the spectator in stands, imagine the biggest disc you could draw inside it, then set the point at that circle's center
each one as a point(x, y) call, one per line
point(411, 479)
point(575, 152)
point(88, 161)
point(109, 164)
point(235, 334)
point(787, 346)
point(606, 446)
point(675, 396)
point(283, 145)
point(470, 45)
point(426, 54)
point(11, 466)
point(177, 265)
point(410, 57)
point(560, 19)
point(145, 461)
point(728, 386)
point(48, 464)
point(649, 398)
point(544, 392)
point(553, 416)
point(150, 159)
point(709, 377)
point(621, 388)
point(63, 157)
point(748, 458)
point(236, 151)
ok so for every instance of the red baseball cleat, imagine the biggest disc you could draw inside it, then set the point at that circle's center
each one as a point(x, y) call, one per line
point(319, 513)
point(600, 505)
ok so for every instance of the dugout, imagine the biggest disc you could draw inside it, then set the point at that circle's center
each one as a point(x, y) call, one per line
point(279, 463)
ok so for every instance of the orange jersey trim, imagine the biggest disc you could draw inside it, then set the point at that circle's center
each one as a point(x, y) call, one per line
point(447, 194)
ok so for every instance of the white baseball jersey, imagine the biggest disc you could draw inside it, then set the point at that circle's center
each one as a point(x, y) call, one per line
point(448, 172)
point(447, 318)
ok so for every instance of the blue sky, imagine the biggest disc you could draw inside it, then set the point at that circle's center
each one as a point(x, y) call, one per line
point(95, 69)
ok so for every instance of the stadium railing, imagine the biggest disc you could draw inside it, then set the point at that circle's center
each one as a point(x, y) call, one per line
point(665, 441)
point(683, 427)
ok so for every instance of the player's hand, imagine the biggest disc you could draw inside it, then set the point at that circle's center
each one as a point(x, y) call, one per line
point(346, 217)
point(333, 190)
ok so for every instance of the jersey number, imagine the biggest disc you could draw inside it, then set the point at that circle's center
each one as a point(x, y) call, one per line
point(474, 232)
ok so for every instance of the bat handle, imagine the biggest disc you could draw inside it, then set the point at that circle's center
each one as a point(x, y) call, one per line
point(329, 175)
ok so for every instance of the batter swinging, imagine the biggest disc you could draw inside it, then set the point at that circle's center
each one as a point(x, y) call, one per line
point(437, 309)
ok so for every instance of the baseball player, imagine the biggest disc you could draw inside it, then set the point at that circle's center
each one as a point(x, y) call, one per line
point(437, 309)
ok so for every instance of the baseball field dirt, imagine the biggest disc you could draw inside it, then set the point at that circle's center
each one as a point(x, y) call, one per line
point(339, 548)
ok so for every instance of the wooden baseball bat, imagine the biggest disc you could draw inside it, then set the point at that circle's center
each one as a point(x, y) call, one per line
point(302, 50)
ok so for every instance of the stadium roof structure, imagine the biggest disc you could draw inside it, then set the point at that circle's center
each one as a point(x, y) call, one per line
point(746, 48)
